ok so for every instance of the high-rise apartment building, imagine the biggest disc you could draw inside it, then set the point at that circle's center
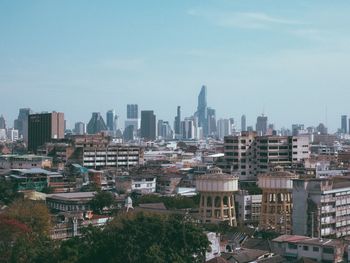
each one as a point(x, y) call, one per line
point(250, 155)
point(321, 207)
point(148, 125)
point(243, 123)
point(261, 125)
point(96, 124)
point(110, 120)
point(43, 127)
point(164, 130)
point(202, 110)
point(344, 123)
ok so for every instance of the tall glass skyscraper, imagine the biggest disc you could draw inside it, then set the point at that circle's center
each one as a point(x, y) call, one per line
point(202, 109)
point(110, 120)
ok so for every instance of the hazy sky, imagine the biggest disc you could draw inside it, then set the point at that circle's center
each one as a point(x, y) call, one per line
point(290, 59)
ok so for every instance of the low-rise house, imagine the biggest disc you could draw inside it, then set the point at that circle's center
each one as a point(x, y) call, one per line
point(295, 247)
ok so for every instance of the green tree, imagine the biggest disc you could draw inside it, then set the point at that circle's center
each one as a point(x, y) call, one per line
point(101, 200)
point(34, 214)
point(138, 238)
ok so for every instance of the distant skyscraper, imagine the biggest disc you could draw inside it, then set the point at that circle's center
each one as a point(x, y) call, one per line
point(344, 123)
point(2, 122)
point(110, 120)
point(243, 123)
point(21, 123)
point(164, 130)
point(188, 128)
point(223, 128)
point(261, 125)
point(96, 124)
point(132, 111)
point(177, 123)
point(79, 128)
point(322, 129)
point(297, 128)
point(202, 110)
point(12, 134)
point(211, 119)
point(148, 125)
point(43, 127)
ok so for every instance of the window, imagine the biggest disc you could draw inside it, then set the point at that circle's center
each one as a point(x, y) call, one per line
point(306, 248)
point(328, 250)
point(137, 185)
point(292, 246)
point(315, 249)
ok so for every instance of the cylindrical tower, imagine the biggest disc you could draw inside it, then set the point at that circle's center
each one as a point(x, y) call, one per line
point(276, 208)
point(217, 200)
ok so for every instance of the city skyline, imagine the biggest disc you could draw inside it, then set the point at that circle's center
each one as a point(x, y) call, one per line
point(249, 55)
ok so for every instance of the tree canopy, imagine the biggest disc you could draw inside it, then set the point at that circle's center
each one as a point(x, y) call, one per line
point(138, 238)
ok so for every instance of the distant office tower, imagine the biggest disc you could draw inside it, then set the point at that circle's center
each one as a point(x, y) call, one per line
point(211, 118)
point(21, 123)
point(116, 125)
point(344, 123)
point(297, 129)
point(132, 111)
point(164, 130)
point(96, 124)
point(43, 127)
point(223, 128)
point(322, 129)
point(148, 125)
point(261, 125)
point(243, 123)
point(177, 123)
point(3, 135)
point(79, 128)
point(188, 128)
point(202, 110)
point(110, 120)
point(12, 134)
point(2, 122)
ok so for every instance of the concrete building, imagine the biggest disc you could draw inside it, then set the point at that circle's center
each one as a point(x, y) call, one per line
point(138, 184)
point(248, 208)
point(322, 207)
point(250, 155)
point(294, 247)
point(117, 156)
point(24, 161)
point(277, 202)
point(44, 127)
point(96, 124)
point(148, 125)
point(217, 197)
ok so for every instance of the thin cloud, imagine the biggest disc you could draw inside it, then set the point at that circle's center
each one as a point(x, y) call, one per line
point(250, 20)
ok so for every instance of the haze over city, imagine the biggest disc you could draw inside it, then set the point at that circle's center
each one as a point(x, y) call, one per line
point(286, 59)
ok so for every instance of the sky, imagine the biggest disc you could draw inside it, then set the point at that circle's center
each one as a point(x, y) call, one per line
point(287, 59)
